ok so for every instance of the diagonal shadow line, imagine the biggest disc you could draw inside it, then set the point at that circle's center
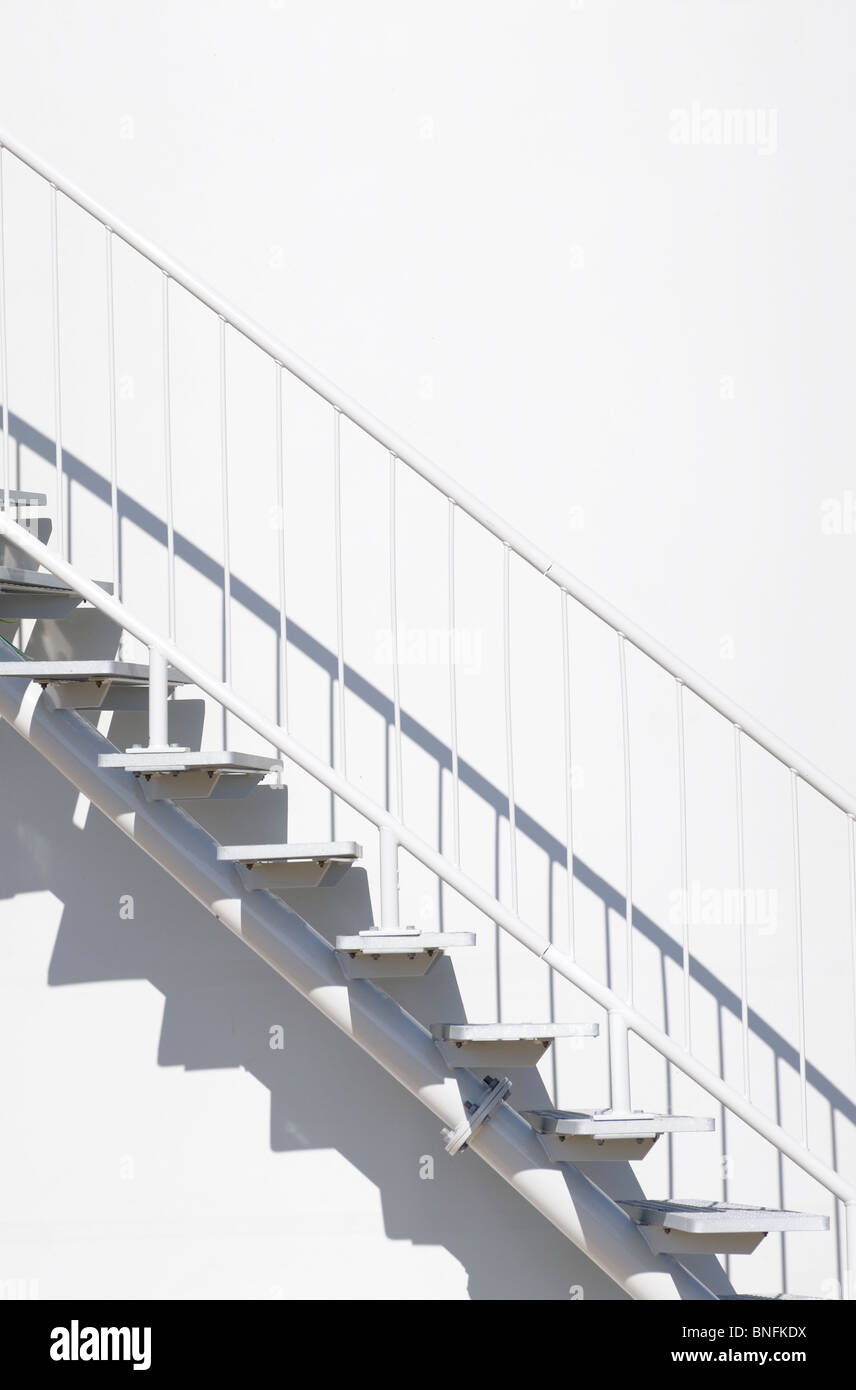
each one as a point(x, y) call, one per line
point(134, 512)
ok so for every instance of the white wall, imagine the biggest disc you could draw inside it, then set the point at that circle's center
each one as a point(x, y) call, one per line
point(475, 220)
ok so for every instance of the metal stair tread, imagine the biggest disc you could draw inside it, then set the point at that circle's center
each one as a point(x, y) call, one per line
point(118, 672)
point(608, 1125)
point(701, 1218)
point(340, 850)
point(23, 499)
point(24, 581)
point(374, 943)
point(511, 1032)
point(183, 760)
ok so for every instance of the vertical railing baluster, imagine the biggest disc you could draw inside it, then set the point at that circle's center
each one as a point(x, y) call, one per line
point(111, 416)
point(509, 731)
point(4, 354)
point(741, 894)
point(340, 596)
point(57, 374)
point(167, 457)
point(280, 549)
point(453, 690)
point(851, 838)
point(393, 631)
point(224, 502)
point(628, 819)
point(569, 771)
point(685, 887)
point(798, 931)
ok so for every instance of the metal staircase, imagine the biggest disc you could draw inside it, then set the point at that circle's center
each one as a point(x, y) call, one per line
point(456, 1069)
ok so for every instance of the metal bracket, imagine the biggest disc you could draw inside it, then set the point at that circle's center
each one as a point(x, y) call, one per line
point(457, 1139)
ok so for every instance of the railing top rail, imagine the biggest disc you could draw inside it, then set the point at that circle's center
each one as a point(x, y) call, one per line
point(433, 860)
point(444, 483)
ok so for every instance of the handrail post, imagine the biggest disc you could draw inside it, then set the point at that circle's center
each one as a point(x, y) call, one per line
point(848, 1290)
point(388, 880)
point(619, 1063)
point(158, 701)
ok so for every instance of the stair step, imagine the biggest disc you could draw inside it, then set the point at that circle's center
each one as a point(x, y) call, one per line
point(23, 499)
point(692, 1226)
point(291, 865)
point(479, 1045)
point(373, 955)
point(180, 774)
point(88, 684)
point(29, 593)
point(578, 1136)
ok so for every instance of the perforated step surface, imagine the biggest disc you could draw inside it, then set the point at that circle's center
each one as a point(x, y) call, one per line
point(33, 593)
point(13, 581)
point(692, 1227)
point(700, 1218)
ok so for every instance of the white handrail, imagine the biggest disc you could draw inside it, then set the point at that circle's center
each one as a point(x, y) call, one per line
point(445, 484)
point(444, 868)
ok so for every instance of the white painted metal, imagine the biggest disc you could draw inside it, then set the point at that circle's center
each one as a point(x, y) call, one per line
point(380, 955)
point(57, 374)
point(392, 833)
point(30, 593)
point(697, 1227)
point(502, 1045)
point(628, 821)
point(23, 499)
point(7, 496)
point(606, 1124)
point(598, 1136)
point(741, 894)
point(382, 943)
point(224, 522)
point(158, 703)
point(167, 457)
point(444, 483)
point(56, 672)
point(393, 631)
point(366, 1014)
point(800, 951)
point(543, 1033)
point(279, 456)
point(112, 411)
point(477, 1114)
point(278, 867)
point(685, 918)
point(453, 692)
point(344, 850)
point(444, 868)
point(388, 880)
point(619, 1062)
point(702, 1216)
point(342, 760)
point(569, 774)
point(171, 760)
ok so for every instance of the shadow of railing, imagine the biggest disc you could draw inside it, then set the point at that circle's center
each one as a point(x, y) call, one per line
point(728, 1002)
